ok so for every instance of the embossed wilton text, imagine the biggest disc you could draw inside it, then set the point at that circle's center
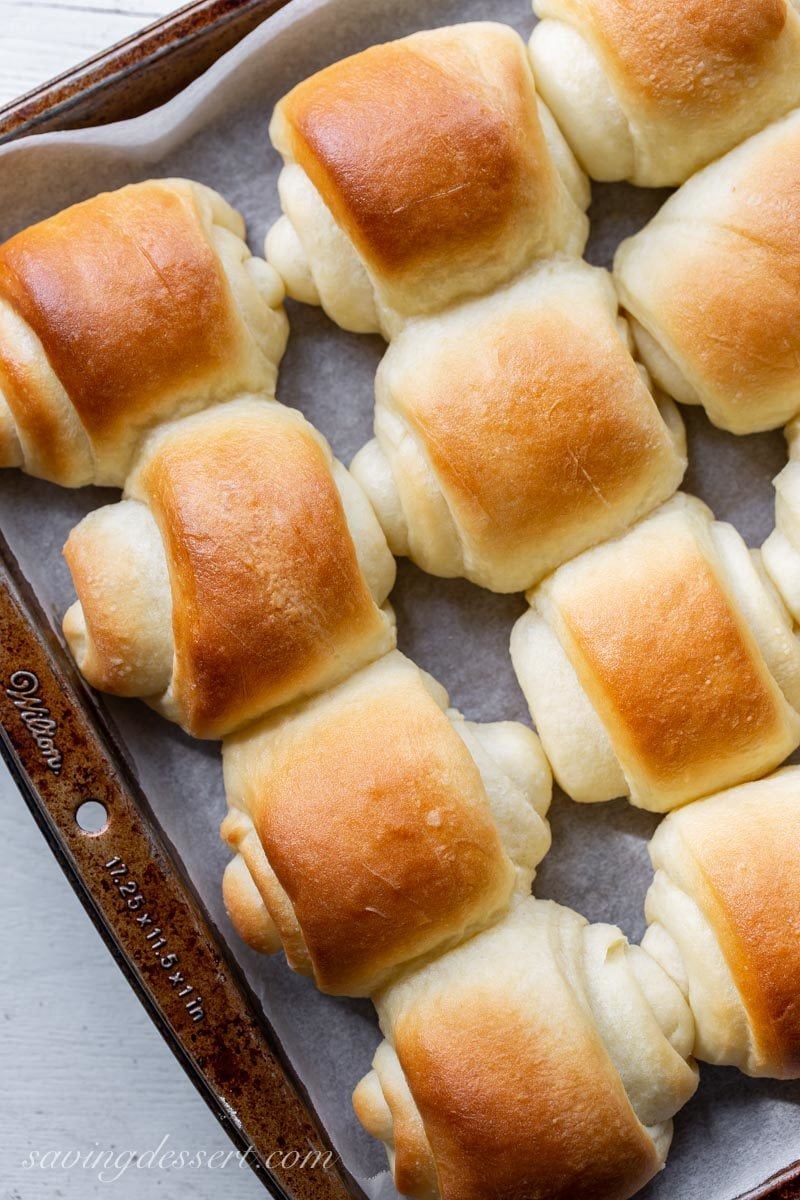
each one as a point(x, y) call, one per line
point(24, 694)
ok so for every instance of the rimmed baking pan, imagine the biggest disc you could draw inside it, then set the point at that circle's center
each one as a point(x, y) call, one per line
point(63, 749)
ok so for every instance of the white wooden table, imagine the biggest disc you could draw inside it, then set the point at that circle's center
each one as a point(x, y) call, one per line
point(82, 1067)
point(42, 38)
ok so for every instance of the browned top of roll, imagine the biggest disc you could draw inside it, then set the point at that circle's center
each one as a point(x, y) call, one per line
point(267, 595)
point(428, 150)
point(685, 54)
point(516, 1092)
point(669, 663)
point(745, 844)
point(378, 772)
point(129, 302)
point(535, 422)
point(734, 297)
point(716, 276)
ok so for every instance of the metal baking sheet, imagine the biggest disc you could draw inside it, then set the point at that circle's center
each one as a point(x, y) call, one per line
point(736, 1132)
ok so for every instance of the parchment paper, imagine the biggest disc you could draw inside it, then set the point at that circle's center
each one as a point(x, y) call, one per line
point(736, 1132)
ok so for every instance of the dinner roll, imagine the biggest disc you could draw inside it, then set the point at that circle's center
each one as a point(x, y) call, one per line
point(417, 173)
point(127, 310)
point(781, 550)
point(373, 826)
point(661, 666)
point(514, 431)
point(542, 1059)
point(723, 912)
point(243, 568)
point(652, 92)
point(713, 285)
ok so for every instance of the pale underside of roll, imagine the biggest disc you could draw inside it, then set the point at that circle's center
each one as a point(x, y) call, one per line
point(712, 285)
point(243, 568)
point(723, 913)
point(544, 1058)
point(418, 173)
point(130, 309)
point(374, 827)
point(781, 550)
point(515, 431)
point(662, 665)
point(653, 92)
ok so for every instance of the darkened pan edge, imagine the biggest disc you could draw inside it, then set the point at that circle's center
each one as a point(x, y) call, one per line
point(138, 74)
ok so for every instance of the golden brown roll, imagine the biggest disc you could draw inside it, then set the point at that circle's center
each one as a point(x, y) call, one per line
point(661, 666)
point(374, 827)
point(543, 1059)
point(723, 909)
point(130, 309)
point(515, 431)
point(243, 569)
point(652, 92)
point(419, 172)
point(713, 285)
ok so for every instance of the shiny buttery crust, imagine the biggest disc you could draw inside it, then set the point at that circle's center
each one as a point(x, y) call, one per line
point(506, 1049)
point(524, 416)
point(713, 283)
point(734, 856)
point(268, 597)
point(687, 80)
point(660, 646)
point(430, 154)
point(366, 824)
point(124, 311)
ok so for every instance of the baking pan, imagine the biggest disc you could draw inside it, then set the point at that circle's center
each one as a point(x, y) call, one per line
point(62, 750)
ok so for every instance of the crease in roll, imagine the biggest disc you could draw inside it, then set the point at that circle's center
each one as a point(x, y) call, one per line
point(651, 93)
point(662, 665)
point(129, 309)
point(418, 173)
point(374, 827)
point(514, 431)
point(243, 568)
point(722, 914)
point(712, 285)
point(544, 1057)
